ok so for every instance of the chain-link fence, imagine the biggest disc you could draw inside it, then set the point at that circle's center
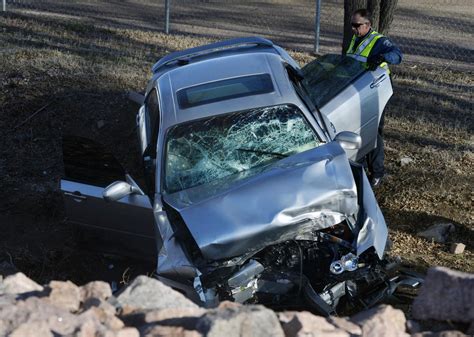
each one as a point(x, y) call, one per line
point(432, 32)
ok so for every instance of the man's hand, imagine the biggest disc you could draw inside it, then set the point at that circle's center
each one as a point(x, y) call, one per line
point(373, 61)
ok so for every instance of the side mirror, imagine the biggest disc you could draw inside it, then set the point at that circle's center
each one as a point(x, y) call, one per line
point(348, 140)
point(119, 189)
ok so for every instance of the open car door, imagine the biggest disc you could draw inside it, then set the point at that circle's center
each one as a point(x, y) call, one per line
point(349, 96)
point(124, 227)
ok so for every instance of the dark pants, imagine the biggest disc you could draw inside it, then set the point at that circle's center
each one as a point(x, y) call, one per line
point(376, 157)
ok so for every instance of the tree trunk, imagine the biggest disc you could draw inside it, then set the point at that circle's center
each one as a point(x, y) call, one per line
point(374, 7)
point(387, 10)
point(349, 7)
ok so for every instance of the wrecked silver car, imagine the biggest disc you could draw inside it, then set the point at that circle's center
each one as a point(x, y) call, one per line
point(253, 192)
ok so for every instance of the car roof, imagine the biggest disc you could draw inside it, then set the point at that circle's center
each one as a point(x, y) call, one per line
point(207, 70)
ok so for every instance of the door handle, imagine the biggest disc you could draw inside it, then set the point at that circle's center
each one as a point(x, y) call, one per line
point(76, 196)
point(377, 81)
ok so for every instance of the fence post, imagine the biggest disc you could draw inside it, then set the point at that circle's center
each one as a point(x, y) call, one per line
point(4, 5)
point(317, 22)
point(167, 16)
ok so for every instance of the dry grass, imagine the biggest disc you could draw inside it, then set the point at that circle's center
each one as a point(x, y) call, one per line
point(82, 69)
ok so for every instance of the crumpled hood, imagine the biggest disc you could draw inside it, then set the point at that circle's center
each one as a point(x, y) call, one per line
point(311, 190)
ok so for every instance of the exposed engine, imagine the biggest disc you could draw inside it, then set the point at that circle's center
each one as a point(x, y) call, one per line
point(322, 267)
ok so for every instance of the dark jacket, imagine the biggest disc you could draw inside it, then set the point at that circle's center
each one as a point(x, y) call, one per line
point(391, 53)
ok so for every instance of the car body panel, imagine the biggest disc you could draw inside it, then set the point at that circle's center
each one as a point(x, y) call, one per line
point(127, 223)
point(374, 231)
point(359, 107)
point(311, 190)
point(226, 68)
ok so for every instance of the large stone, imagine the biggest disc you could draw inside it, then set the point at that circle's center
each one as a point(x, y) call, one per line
point(382, 320)
point(32, 310)
point(438, 232)
point(95, 289)
point(447, 333)
point(98, 303)
point(37, 329)
point(19, 283)
point(154, 330)
point(305, 324)
point(183, 317)
point(345, 324)
point(457, 248)
point(65, 295)
point(445, 295)
point(103, 316)
point(127, 332)
point(148, 293)
point(250, 320)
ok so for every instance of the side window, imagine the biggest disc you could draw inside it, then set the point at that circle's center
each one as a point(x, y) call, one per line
point(152, 112)
point(327, 76)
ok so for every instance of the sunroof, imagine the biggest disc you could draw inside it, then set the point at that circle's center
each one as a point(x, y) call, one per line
point(225, 89)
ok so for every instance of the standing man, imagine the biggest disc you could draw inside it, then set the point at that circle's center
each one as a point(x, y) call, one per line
point(374, 50)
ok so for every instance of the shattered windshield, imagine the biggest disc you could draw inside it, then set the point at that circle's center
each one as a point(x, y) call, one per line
point(203, 151)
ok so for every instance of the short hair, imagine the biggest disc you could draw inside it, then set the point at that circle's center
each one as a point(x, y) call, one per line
point(364, 13)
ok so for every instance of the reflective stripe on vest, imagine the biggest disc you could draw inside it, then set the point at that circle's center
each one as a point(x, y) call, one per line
point(365, 47)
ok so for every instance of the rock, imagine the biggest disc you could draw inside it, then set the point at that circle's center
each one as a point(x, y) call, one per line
point(404, 161)
point(382, 320)
point(457, 248)
point(98, 303)
point(95, 289)
point(105, 313)
point(34, 309)
point(86, 329)
point(152, 330)
point(448, 333)
point(445, 295)
point(228, 304)
point(438, 232)
point(127, 332)
point(19, 283)
point(148, 293)
point(37, 329)
point(65, 295)
point(305, 324)
point(249, 320)
point(100, 124)
point(345, 324)
point(184, 317)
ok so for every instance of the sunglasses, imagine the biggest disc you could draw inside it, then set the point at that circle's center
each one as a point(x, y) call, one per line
point(357, 25)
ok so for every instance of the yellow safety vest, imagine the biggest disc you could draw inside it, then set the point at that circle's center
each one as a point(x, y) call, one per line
point(363, 50)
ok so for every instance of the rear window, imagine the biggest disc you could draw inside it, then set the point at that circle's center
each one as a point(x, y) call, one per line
point(225, 89)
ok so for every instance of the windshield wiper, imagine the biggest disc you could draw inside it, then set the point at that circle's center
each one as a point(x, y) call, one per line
point(276, 154)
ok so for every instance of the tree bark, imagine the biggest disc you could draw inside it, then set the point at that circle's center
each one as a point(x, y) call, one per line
point(349, 7)
point(387, 10)
point(374, 7)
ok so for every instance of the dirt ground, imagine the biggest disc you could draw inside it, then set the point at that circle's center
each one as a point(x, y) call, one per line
point(69, 74)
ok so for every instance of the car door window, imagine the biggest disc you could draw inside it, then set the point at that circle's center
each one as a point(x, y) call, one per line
point(87, 162)
point(327, 76)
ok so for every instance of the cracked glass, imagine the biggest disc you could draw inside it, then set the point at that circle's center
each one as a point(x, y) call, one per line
point(234, 146)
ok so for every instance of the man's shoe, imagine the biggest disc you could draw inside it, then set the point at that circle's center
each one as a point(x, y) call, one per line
point(376, 182)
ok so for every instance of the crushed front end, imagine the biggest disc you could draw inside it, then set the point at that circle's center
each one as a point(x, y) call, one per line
point(325, 244)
